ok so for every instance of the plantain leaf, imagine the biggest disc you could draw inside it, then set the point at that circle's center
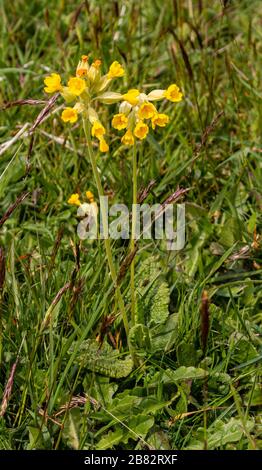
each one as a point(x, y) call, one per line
point(139, 339)
point(164, 336)
point(136, 428)
point(152, 293)
point(111, 439)
point(221, 433)
point(103, 360)
point(170, 376)
point(159, 305)
point(71, 428)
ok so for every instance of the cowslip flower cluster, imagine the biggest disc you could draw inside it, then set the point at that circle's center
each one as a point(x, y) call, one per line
point(137, 111)
point(85, 89)
point(87, 212)
point(88, 87)
point(75, 198)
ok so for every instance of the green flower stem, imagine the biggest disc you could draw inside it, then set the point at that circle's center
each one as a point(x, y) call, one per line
point(104, 221)
point(132, 243)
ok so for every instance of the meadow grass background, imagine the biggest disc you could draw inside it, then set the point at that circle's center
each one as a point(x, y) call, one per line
point(179, 397)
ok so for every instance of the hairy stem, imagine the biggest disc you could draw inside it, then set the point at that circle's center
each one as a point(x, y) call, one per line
point(104, 222)
point(132, 243)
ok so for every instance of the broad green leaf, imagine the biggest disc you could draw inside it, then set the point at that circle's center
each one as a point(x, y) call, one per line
point(186, 353)
point(71, 428)
point(164, 336)
point(220, 433)
point(112, 439)
point(136, 428)
point(152, 293)
point(169, 376)
point(139, 338)
point(104, 360)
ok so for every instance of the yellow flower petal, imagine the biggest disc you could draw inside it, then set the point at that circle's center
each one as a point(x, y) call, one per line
point(53, 83)
point(97, 63)
point(69, 115)
point(82, 67)
point(128, 138)
point(76, 86)
point(90, 196)
point(115, 70)
point(103, 146)
point(160, 120)
point(98, 130)
point(74, 200)
point(173, 94)
point(131, 96)
point(119, 121)
point(146, 111)
point(93, 73)
point(141, 130)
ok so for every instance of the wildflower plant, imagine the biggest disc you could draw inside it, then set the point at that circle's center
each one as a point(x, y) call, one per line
point(136, 114)
point(84, 90)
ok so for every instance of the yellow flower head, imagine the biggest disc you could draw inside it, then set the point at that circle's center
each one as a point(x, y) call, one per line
point(97, 63)
point(146, 111)
point(173, 93)
point(160, 120)
point(74, 200)
point(119, 121)
point(115, 70)
point(69, 115)
point(128, 138)
point(93, 73)
point(98, 130)
point(103, 146)
point(76, 86)
point(82, 67)
point(141, 130)
point(90, 196)
point(53, 83)
point(131, 96)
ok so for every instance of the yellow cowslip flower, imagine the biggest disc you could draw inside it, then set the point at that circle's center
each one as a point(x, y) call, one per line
point(128, 138)
point(97, 63)
point(159, 119)
point(88, 88)
point(82, 67)
point(141, 130)
point(76, 86)
point(115, 70)
point(103, 146)
point(74, 200)
point(146, 111)
point(131, 96)
point(173, 94)
point(69, 115)
point(53, 83)
point(90, 196)
point(119, 121)
point(98, 130)
point(93, 74)
point(137, 107)
point(85, 90)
